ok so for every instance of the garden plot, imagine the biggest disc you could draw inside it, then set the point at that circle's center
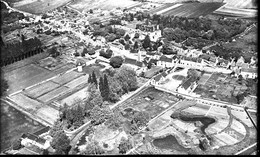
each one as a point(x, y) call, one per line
point(212, 79)
point(38, 90)
point(224, 137)
point(79, 95)
point(67, 77)
point(53, 94)
point(78, 81)
point(26, 102)
point(242, 116)
point(154, 106)
point(48, 114)
point(204, 78)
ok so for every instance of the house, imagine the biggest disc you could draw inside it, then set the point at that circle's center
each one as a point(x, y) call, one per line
point(29, 138)
point(165, 62)
point(249, 73)
point(136, 65)
point(157, 79)
point(188, 86)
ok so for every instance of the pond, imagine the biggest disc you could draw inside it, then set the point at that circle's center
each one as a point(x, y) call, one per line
point(206, 121)
point(169, 142)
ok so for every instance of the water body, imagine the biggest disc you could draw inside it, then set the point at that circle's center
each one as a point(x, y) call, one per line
point(14, 124)
point(169, 142)
point(206, 121)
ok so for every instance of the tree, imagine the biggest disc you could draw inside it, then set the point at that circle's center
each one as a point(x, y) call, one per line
point(91, 51)
point(4, 85)
point(140, 118)
point(136, 45)
point(101, 86)
point(127, 78)
point(91, 11)
point(94, 78)
point(98, 114)
point(124, 145)
point(54, 52)
point(57, 127)
point(61, 143)
point(90, 79)
point(136, 35)
point(127, 46)
point(116, 61)
point(127, 37)
point(106, 88)
point(115, 89)
point(93, 148)
point(107, 54)
point(94, 99)
point(146, 42)
point(115, 121)
point(17, 144)
point(85, 50)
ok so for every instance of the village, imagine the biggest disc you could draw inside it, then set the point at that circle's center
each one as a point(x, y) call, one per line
point(175, 87)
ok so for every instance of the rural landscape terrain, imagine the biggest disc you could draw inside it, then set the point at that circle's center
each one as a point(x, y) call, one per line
point(111, 77)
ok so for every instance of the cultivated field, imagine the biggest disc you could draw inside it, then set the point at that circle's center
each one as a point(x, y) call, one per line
point(192, 10)
point(26, 102)
point(38, 90)
point(67, 77)
point(74, 83)
point(39, 6)
point(79, 95)
point(25, 76)
point(53, 94)
point(101, 4)
point(48, 114)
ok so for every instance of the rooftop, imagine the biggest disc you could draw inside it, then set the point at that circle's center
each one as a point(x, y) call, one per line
point(165, 59)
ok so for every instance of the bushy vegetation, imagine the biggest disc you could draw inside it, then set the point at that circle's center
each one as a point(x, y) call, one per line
point(116, 61)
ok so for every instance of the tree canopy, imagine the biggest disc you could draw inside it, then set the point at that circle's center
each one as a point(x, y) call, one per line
point(116, 61)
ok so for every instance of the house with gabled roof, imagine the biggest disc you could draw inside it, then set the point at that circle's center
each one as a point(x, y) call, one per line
point(165, 62)
point(136, 65)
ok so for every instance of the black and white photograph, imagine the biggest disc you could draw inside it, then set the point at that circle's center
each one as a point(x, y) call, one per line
point(129, 77)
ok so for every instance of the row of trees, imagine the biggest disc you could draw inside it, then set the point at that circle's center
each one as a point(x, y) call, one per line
point(11, 53)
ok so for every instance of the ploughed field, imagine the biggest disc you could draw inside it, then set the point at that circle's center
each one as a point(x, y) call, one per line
point(190, 10)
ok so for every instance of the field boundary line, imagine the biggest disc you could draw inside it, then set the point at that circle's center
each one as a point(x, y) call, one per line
point(209, 110)
point(246, 149)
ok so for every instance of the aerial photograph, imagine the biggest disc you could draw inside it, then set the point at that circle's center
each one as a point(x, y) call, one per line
point(129, 77)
